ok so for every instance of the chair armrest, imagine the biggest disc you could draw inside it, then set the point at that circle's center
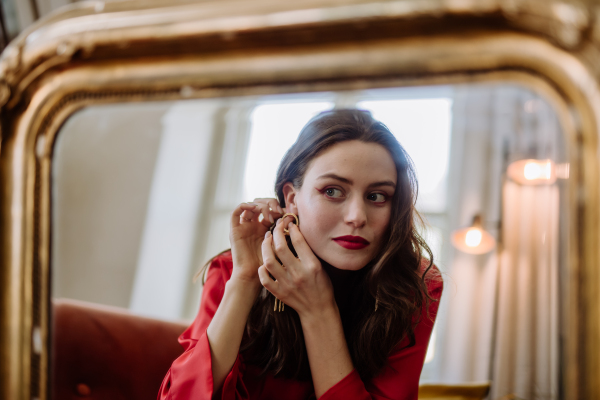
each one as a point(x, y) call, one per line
point(108, 352)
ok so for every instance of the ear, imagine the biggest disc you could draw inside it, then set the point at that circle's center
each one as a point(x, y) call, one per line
point(289, 194)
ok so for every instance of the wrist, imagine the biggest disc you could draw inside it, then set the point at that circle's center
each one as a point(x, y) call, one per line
point(329, 312)
point(244, 285)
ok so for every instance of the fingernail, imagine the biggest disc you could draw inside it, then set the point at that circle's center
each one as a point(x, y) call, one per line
point(271, 218)
point(290, 225)
point(267, 234)
point(278, 221)
point(252, 204)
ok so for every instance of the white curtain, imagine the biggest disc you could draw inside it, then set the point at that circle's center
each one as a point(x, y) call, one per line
point(526, 348)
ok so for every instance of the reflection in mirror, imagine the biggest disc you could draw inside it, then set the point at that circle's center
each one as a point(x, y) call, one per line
point(142, 195)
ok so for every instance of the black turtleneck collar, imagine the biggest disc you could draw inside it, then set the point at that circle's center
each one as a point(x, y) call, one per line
point(346, 287)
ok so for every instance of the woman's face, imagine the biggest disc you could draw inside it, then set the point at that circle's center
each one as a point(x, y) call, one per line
point(344, 204)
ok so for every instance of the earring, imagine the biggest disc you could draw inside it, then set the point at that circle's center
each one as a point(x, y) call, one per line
point(285, 230)
point(279, 305)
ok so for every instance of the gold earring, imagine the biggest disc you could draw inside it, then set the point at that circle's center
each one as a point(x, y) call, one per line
point(286, 231)
point(279, 305)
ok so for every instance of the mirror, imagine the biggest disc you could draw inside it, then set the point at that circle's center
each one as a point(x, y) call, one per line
point(142, 195)
point(522, 87)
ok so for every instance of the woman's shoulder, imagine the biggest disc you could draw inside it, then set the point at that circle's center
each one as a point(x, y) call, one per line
point(433, 278)
point(223, 257)
point(221, 264)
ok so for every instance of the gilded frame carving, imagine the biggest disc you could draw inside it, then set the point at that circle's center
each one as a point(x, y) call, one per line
point(96, 52)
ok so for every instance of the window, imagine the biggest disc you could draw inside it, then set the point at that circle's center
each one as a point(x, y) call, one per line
point(275, 127)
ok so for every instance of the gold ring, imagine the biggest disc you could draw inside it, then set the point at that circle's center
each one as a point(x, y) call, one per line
point(286, 231)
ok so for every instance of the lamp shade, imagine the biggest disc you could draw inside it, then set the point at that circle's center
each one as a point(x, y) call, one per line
point(532, 172)
point(473, 239)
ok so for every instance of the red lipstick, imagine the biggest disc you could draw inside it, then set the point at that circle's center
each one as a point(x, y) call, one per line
point(352, 242)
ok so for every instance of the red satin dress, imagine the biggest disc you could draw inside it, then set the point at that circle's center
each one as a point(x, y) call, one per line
point(190, 376)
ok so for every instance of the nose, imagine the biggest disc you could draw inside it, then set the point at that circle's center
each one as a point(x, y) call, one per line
point(356, 213)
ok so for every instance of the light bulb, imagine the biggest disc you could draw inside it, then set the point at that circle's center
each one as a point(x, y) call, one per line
point(532, 172)
point(473, 237)
point(537, 170)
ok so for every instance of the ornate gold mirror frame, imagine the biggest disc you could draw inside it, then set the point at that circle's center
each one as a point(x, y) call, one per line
point(96, 52)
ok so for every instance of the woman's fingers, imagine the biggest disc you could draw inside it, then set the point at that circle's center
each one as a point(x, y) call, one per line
point(266, 281)
point(245, 211)
point(269, 259)
point(252, 212)
point(302, 248)
point(270, 210)
point(280, 246)
point(267, 219)
point(272, 203)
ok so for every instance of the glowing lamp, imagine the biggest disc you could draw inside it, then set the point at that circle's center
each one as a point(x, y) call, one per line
point(473, 239)
point(532, 172)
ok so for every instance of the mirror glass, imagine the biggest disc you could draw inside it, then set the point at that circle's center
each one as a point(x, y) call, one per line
point(142, 193)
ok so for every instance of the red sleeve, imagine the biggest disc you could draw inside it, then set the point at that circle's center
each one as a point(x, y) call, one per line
point(190, 375)
point(399, 380)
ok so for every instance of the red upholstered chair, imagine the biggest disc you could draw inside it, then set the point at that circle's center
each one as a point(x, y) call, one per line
point(103, 353)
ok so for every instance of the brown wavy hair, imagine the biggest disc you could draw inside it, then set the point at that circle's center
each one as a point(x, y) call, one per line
point(274, 341)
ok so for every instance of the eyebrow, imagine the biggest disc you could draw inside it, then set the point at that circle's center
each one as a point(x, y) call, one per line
point(349, 181)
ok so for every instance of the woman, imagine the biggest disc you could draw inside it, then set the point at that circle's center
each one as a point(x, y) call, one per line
point(343, 307)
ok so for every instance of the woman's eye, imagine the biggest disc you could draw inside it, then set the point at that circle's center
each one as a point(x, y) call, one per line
point(377, 197)
point(333, 192)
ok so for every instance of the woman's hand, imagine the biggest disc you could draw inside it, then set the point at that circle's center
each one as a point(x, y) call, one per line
point(227, 327)
point(246, 236)
point(300, 283)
